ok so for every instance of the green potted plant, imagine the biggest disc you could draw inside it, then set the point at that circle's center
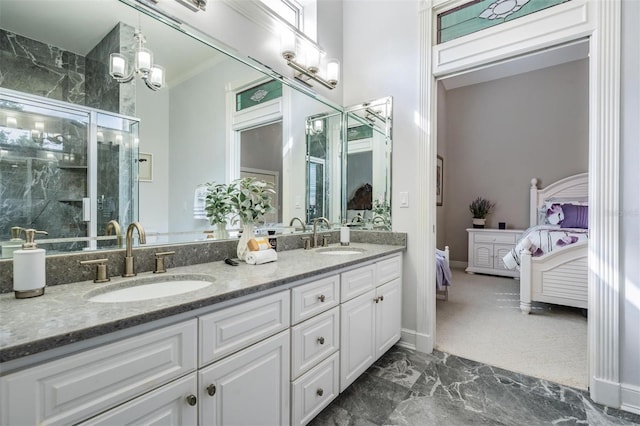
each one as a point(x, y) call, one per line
point(217, 207)
point(480, 209)
point(250, 199)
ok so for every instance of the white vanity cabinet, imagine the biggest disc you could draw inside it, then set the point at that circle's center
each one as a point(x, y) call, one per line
point(370, 323)
point(315, 345)
point(245, 361)
point(250, 387)
point(172, 404)
point(77, 387)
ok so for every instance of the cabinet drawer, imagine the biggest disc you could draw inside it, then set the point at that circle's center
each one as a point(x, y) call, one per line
point(313, 340)
point(237, 327)
point(495, 237)
point(314, 391)
point(389, 269)
point(167, 405)
point(74, 388)
point(354, 283)
point(313, 298)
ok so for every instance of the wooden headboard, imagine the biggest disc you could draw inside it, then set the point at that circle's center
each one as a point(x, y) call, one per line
point(570, 188)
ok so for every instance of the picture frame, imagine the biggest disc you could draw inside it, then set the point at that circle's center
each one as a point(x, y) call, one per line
point(439, 181)
point(145, 167)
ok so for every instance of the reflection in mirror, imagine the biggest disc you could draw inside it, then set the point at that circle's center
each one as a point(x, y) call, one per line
point(368, 164)
point(323, 166)
point(194, 127)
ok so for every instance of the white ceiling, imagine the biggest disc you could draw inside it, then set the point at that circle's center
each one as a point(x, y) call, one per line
point(78, 25)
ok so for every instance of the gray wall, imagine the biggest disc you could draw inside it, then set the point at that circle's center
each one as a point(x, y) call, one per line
point(502, 133)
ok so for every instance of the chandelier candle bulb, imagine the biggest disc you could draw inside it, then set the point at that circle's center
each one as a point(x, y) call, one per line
point(144, 59)
point(118, 65)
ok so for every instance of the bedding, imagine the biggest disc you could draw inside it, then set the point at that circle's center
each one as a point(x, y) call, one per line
point(443, 272)
point(543, 239)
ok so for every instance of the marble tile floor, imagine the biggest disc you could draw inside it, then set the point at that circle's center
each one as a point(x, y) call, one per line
point(406, 387)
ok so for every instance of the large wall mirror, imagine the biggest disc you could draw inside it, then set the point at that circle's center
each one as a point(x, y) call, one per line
point(367, 164)
point(214, 119)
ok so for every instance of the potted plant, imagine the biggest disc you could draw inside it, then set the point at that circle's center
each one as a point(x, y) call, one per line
point(217, 207)
point(250, 200)
point(480, 209)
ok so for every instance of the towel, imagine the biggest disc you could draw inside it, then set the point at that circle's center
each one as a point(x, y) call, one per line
point(199, 200)
point(262, 256)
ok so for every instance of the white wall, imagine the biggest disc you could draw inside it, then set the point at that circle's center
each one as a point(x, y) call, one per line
point(153, 110)
point(502, 133)
point(630, 204)
point(381, 58)
point(198, 115)
point(243, 35)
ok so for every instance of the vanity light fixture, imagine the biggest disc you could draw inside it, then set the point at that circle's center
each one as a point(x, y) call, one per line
point(306, 61)
point(144, 68)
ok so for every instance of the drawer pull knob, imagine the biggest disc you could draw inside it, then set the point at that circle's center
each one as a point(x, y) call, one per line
point(192, 400)
point(382, 298)
point(211, 390)
point(321, 298)
point(321, 340)
point(377, 299)
point(320, 392)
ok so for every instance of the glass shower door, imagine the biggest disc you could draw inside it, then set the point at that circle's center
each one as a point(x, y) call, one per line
point(43, 169)
point(116, 174)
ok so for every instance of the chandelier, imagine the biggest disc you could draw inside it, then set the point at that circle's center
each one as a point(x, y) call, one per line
point(144, 68)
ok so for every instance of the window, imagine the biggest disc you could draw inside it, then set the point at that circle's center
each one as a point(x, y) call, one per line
point(290, 11)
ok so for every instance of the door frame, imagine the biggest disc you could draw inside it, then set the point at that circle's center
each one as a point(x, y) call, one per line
point(600, 22)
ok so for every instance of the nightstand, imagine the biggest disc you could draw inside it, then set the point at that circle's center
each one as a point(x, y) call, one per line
point(487, 247)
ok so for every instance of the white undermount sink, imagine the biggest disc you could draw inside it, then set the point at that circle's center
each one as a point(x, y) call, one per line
point(340, 251)
point(144, 290)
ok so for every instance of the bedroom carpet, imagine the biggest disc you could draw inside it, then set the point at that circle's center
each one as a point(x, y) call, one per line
point(482, 321)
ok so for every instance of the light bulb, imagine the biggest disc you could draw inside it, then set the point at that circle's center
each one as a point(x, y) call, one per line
point(144, 60)
point(156, 76)
point(333, 71)
point(117, 65)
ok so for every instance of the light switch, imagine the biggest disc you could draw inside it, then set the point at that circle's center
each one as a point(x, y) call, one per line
point(404, 199)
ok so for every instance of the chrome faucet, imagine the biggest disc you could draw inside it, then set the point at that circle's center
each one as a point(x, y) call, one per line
point(129, 269)
point(304, 227)
point(114, 226)
point(315, 226)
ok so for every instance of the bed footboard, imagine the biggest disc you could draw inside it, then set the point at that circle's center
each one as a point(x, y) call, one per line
point(559, 277)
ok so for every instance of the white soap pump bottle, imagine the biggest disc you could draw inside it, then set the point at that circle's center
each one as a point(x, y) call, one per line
point(29, 267)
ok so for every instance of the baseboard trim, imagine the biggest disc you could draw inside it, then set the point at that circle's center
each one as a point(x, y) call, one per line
point(630, 396)
point(424, 343)
point(407, 338)
point(458, 264)
point(605, 392)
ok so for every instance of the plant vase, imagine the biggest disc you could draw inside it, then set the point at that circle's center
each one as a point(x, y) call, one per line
point(248, 232)
point(478, 223)
point(221, 231)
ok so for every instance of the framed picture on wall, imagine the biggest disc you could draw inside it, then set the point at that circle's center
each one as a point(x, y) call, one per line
point(145, 167)
point(439, 181)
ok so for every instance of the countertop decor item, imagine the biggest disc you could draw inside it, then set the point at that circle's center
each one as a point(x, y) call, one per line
point(250, 200)
point(480, 209)
point(218, 207)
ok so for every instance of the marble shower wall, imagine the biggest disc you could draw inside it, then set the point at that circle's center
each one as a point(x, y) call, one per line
point(40, 187)
point(38, 68)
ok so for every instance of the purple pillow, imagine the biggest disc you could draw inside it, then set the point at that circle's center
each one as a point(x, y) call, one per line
point(575, 216)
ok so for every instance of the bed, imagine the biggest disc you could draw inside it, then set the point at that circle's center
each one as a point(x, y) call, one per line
point(443, 273)
point(559, 276)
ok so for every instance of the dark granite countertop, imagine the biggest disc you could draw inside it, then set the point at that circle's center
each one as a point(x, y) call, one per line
point(64, 315)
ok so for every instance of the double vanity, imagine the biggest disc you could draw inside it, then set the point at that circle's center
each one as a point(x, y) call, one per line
point(208, 344)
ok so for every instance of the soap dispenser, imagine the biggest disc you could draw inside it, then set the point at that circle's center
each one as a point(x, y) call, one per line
point(29, 267)
point(15, 243)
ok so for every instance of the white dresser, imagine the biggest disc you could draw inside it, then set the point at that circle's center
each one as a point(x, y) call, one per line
point(487, 247)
